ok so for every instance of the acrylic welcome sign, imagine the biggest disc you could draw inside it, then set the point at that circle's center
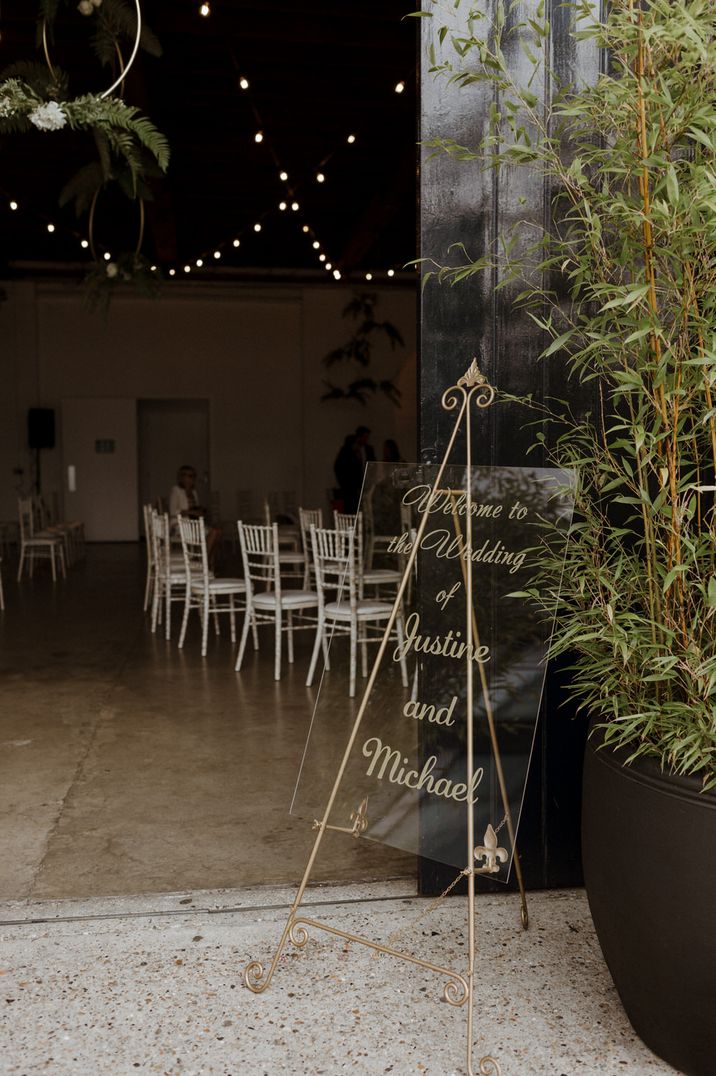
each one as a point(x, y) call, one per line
point(406, 780)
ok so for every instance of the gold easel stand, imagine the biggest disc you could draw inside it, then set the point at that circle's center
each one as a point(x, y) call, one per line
point(458, 989)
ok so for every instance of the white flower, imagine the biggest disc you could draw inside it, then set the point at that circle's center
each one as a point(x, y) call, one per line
point(85, 7)
point(49, 117)
point(111, 270)
point(6, 107)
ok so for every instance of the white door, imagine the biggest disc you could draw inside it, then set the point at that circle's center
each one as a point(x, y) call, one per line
point(99, 453)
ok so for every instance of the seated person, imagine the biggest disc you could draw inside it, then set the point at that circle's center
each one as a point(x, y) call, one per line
point(184, 501)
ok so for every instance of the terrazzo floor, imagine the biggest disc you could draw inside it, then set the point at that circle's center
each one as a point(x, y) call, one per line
point(111, 987)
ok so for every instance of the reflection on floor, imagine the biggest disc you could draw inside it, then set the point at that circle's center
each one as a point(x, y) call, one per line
point(127, 766)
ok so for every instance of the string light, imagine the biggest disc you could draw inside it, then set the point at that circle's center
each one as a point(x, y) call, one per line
point(152, 268)
point(336, 274)
point(295, 206)
point(107, 256)
point(282, 206)
point(237, 242)
point(259, 136)
point(369, 276)
point(199, 262)
point(316, 245)
point(187, 268)
point(257, 227)
point(328, 266)
point(399, 86)
point(391, 272)
point(351, 139)
point(244, 83)
point(13, 206)
point(84, 244)
point(283, 176)
point(50, 227)
point(172, 272)
point(305, 228)
point(217, 254)
point(320, 178)
point(205, 10)
point(321, 257)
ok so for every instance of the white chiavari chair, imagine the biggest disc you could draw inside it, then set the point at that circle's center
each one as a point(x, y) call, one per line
point(308, 517)
point(266, 601)
point(337, 565)
point(169, 582)
point(369, 577)
point(37, 546)
point(203, 591)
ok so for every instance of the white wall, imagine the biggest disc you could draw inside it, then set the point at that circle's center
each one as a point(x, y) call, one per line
point(253, 351)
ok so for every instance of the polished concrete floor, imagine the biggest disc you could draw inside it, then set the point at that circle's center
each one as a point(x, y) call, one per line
point(128, 766)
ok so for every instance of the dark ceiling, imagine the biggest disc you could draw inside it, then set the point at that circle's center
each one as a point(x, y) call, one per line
point(318, 71)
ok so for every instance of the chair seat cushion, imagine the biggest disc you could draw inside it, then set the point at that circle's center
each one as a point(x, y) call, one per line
point(365, 609)
point(382, 575)
point(222, 586)
point(289, 557)
point(290, 599)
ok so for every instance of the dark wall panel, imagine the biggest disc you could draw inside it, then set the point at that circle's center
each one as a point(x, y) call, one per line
point(462, 204)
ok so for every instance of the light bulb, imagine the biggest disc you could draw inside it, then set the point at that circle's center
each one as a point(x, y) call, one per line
point(172, 272)
point(107, 256)
point(50, 227)
point(294, 206)
point(283, 176)
point(257, 227)
point(336, 274)
point(320, 178)
point(391, 272)
point(259, 136)
point(369, 276)
point(217, 254)
point(199, 262)
point(187, 268)
point(84, 244)
point(351, 139)
point(244, 83)
point(328, 266)
point(152, 268)
point(305, 228)
point(205, 10)
point(237, 242)
point(399, 86)
point(13, 206)
point(321, 257)
point(282, 206)
point(316, 245)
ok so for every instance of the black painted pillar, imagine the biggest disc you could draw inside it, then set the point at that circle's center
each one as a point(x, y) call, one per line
point(462, 204)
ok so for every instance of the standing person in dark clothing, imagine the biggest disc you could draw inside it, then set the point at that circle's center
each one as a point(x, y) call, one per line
point(349, 473)
point(366, 452)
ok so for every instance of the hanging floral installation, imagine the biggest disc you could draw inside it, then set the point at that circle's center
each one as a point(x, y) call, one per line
point(129, 148)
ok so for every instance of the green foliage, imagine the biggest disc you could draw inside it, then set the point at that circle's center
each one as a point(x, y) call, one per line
point(631, 161)
point(128, 269)
point(358, 349)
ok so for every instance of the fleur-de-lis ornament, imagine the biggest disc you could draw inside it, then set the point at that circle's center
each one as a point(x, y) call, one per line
point(490, 852)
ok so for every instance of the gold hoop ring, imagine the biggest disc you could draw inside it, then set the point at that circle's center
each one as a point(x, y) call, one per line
point(122, 69)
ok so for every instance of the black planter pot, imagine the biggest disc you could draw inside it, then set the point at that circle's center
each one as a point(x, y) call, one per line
point(649, 848)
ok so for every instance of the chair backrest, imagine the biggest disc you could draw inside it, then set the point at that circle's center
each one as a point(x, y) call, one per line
point(43, 516)
point(259, 553)
point(335, 560)
point(307, 518)
point(351, 521)
point(25, 518)
point(159, 538)
point(148, 537)
point(193, 544)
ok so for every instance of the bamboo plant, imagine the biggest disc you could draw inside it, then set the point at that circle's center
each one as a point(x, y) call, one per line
point(623, 285)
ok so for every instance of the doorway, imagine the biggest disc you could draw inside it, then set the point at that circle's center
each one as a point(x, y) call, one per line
point(171, 433)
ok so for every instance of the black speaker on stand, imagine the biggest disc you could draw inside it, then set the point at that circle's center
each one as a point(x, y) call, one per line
point(40, 434)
